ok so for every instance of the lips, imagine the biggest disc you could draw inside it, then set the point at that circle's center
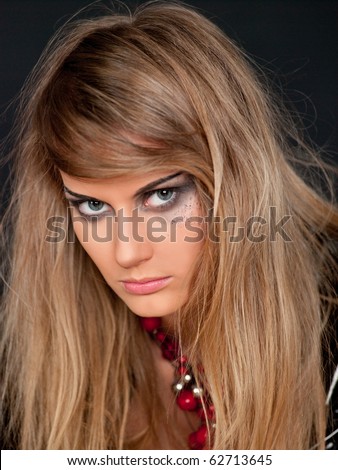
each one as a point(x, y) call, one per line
point(146, 285)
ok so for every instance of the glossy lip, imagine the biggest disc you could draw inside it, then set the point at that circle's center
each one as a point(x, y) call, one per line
point(146, 285)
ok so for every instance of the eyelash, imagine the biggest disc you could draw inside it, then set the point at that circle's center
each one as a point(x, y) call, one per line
point(77, 204)
point(178, 191)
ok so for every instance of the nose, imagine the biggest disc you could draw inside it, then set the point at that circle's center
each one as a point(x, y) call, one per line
point(132, 246)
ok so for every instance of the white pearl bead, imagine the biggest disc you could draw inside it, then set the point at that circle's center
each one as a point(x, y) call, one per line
point(178, 387)
point(197, 391)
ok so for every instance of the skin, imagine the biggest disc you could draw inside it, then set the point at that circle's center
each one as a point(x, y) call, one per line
point(148, 248)
point(169, 248)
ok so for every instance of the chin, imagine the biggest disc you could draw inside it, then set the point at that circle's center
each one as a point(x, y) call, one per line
point(147, 308)
point(148, 314)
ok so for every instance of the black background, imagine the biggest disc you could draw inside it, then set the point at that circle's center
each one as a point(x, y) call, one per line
point(296, 41)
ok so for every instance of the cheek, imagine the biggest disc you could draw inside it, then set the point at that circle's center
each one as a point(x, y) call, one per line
point(189, 254)
point(92, 240)
point(187, 234)
point(182, 249)
point(187, 208)
point(188, 227)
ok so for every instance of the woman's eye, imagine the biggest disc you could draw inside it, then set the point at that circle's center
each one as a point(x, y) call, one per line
point(91, 207)
point(160, 197)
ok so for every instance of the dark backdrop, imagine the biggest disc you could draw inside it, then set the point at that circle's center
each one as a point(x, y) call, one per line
point(296, 40)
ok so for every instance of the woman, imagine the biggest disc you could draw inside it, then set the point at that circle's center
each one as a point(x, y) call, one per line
point(154, 182)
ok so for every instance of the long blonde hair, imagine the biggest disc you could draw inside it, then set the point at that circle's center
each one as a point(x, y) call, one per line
point(71, 349)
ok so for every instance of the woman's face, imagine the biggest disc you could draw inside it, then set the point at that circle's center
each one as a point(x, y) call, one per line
point(141, 233)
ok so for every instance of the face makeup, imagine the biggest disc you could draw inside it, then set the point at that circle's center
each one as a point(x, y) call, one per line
point(148, 260)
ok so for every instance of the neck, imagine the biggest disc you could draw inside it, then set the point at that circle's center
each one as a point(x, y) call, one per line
point(168, 324)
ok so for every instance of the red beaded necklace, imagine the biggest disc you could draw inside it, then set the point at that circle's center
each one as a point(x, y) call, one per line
point(188, 394)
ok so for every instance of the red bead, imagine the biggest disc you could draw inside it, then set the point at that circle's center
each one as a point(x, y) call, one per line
point(150, 324)
point(208, 414)
point(198, 439)
point(186, 400)
point(193, 442)
point(160, 336)
point(169, 355)
point(182, 370)
point(202, 434)
point(169, 349)
point(201, 414)
point(182, 359)
point(211, 412)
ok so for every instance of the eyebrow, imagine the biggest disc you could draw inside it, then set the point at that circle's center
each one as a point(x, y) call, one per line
point(147, 187)
point(153, 184)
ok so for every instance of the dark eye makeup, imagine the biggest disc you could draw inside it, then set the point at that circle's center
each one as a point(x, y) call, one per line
point(156, 200)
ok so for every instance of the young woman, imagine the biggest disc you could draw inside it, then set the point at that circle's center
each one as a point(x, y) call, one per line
point(167, 272)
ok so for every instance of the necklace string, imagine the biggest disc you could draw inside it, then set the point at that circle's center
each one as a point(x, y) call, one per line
point(189, 396)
